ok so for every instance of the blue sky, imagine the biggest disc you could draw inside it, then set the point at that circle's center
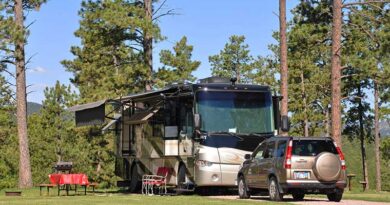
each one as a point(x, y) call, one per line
point(207, 25)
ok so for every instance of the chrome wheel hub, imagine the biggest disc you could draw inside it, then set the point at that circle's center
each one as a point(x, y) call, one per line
point(241, 187)
point(272, 189)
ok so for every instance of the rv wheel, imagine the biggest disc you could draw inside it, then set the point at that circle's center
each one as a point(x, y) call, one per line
point(135, 183)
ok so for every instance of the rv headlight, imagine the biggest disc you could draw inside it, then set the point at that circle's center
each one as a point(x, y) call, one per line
point(203, 163)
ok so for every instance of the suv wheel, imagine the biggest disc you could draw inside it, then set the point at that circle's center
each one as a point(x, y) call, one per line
point(242, 188)
point(273, 189)
point(298, 196)
point(336, 196)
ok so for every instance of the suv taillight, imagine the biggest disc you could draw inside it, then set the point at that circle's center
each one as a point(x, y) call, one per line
point(287, 162)
point(341, 155)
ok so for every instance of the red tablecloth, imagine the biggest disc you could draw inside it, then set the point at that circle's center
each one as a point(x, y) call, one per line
point(79, 179)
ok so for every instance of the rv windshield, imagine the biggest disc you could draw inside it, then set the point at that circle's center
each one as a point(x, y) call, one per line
point(234, 111)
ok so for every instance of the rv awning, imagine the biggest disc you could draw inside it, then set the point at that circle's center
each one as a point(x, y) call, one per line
point(87, 106)
point(90, 113)
point(116, 118)
point(141, 117)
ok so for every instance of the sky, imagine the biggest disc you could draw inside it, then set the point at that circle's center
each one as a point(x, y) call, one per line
point(207, 25)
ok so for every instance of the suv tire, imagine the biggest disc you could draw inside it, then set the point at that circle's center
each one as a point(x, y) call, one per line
point(336, 196)
point(298, 196)
point(243, 188)
point(273, 189)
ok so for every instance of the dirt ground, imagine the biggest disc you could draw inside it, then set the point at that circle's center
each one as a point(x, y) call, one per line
point(307, 200)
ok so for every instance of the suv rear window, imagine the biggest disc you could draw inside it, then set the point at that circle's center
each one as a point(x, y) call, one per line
point(312, 147)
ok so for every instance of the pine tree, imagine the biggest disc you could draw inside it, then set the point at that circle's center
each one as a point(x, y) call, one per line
point(177, 66)
point(112, 59)
point(233, 61)
point(12, 47)
point(283, 60)
point(368, 56)
point(107, 64)
point(8, 138)
point(309, 68)
point(54, 136)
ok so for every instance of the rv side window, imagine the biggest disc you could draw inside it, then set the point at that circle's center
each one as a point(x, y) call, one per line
point(170, 113)
point(157, 123)
point(186, 117)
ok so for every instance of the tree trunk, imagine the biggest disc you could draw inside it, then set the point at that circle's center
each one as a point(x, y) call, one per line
point(25, 179)
point(362, 144)
point(377, 138)
point(283, 60)
point(336, 72)
point(148, 45)
point(59, 140)
point(327, 123)
point(305, 120)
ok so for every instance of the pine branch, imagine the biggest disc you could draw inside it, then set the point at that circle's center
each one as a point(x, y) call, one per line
point(277, 15)
point(9, 83)
point(9, 73)
point(33, 91)
point(371, 36)
point(376, 6)
point(349, 97)
point(30, 24)
point(170, 12)
point(29, 59)
point(365, 3)
point(159, 8)
point(7, 61)
point(365, 15)
point(7, 49)
point(350, 75)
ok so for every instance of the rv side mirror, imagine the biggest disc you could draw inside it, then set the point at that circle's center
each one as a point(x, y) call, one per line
point(247, 157)
point(285, 127)
point(197, 121)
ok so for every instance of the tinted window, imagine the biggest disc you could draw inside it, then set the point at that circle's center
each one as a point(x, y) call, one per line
point(239, 112)
point(312, 147)
point(260, 151)
point(269, 152)
point(281, 148)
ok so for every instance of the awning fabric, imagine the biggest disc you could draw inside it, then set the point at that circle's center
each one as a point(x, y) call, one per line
point(86, 106)
point(141, 117)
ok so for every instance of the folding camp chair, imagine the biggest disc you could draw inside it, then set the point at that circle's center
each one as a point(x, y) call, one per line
point(150, 182)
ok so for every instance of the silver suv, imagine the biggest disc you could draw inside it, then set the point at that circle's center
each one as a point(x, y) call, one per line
point(294, 165)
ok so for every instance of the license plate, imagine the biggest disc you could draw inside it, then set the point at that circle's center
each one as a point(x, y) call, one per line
point(301, 175)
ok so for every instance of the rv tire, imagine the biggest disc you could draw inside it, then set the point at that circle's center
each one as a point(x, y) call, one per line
point(181, 179)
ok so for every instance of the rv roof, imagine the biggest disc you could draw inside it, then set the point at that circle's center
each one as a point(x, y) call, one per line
point(147, 93)
point(175, 87)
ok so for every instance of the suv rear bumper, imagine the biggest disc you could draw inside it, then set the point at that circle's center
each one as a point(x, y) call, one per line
point(313, 186)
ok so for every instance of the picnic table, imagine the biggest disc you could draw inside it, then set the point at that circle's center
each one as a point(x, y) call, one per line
point(66, 180)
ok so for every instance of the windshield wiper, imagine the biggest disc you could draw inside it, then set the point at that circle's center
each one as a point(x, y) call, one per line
point(259, 134)
point(224, 133)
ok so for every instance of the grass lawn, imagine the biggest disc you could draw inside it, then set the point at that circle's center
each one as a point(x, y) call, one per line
point(368, 196)
point(365, 196)
point(31, 196)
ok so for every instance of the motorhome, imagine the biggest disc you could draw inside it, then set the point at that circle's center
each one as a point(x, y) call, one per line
point(200, 131)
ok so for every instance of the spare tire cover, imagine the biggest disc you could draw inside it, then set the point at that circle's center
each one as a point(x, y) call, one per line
point(327, 167)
